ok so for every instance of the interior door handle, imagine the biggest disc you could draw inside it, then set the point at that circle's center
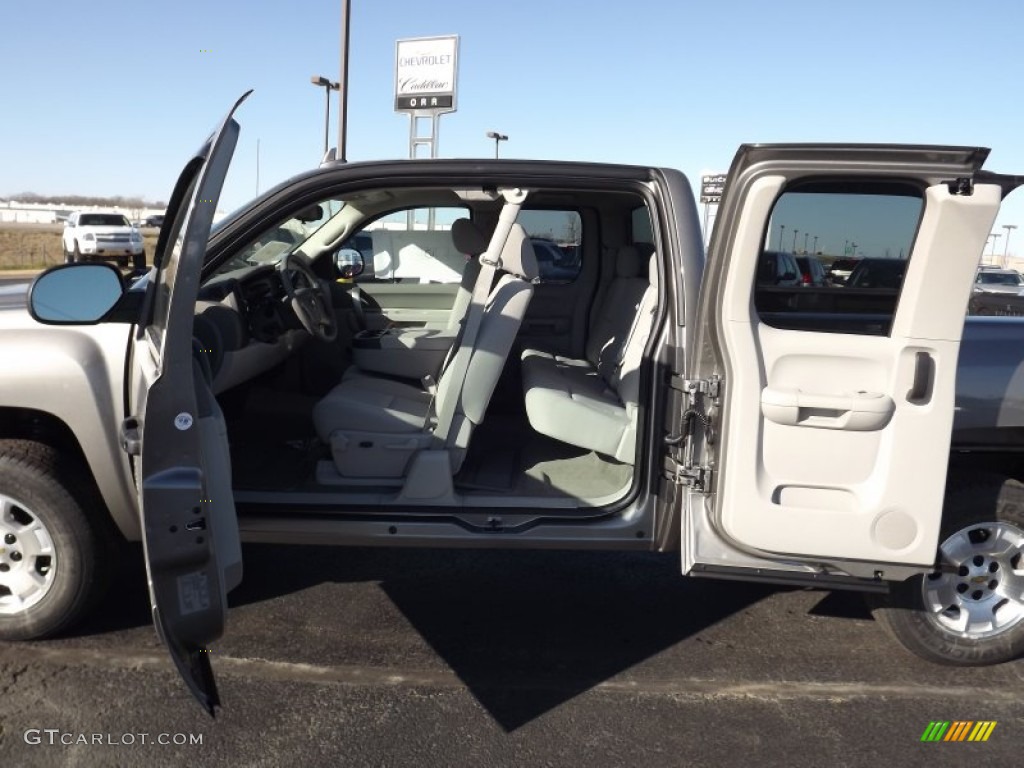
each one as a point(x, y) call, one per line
point(924, 378)
point(858, 411)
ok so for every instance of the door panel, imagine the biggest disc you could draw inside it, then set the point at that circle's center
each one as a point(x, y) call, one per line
point(835, 445)
point(407, 304)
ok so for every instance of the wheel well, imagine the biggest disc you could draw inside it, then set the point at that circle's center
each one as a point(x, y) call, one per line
point(1006, 463)
point(45, 428)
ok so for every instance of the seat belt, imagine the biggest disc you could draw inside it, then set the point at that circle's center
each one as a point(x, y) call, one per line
point(490, 260)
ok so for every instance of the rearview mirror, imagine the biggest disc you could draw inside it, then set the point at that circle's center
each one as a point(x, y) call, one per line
point(74, 294)
point(349, 262)
point(313, 213)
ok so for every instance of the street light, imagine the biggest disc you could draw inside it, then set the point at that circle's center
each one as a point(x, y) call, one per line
point(1006, 244)
point(328, 86)
point(815, 244)
point(782, 233)
point(795, 233)
point(806, 235)
point(498, 137)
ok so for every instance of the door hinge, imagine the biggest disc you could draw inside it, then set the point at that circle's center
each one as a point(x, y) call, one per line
point(962, 187)
point(698, 478)
point(708, 387)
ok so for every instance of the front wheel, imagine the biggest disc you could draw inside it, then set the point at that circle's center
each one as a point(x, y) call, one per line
point(55, 558)
point(971, 612)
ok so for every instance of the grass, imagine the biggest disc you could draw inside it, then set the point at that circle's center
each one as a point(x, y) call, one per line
point(38, 246)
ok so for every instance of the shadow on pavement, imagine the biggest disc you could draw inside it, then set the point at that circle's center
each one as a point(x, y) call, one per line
point(525, 631)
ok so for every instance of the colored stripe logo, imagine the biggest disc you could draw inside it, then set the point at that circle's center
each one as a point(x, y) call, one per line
point(958, 730)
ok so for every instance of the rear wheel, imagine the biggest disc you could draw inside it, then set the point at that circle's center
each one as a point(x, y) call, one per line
point(55, 556)
point(122, 262)
point(76, 255)
point(972, 611)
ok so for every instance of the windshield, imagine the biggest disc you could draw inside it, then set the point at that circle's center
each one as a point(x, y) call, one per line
point(274, 244)
point(999, 278)
point(102, 220)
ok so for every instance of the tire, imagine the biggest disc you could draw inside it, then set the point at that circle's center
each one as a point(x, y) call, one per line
point(68, 259)
point(123, 262)
point(59, 589)
point(76, 255)
point(972, 614)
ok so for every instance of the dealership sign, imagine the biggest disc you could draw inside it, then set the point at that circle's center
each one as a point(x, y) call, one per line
point(712, 188)
point(425, 72)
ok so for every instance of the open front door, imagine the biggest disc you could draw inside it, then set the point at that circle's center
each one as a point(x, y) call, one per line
point(193, 555)
point(831, 430)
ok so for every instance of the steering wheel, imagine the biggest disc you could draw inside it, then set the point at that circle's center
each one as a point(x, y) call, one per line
point(307, 297)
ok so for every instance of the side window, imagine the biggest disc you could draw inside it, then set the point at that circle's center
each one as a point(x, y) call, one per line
point(557, 236)
point(640, 226)
point(411, 246)
point(835, 256)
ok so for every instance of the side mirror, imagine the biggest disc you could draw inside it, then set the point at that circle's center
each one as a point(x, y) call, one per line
point(349, 262)
point(74, 294)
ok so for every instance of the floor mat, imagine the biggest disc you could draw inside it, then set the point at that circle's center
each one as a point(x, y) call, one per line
point(508, 456)
point(264, 466)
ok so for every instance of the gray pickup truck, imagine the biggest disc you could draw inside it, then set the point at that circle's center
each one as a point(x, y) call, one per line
point(371, 354)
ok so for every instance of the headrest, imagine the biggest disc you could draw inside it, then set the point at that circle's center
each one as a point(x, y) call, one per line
point(517, 257)
point(627, 262)
point(467, 237)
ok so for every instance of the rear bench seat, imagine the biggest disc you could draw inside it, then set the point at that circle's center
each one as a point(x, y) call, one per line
point(592, 403)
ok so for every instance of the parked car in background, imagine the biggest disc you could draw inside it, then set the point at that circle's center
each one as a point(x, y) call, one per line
point(552, 262)
point(812, 272)
point(778, 268)
point(878, 273)
point(91, 236)
point(1006, 281)
point(841, 269)
point(154, 221)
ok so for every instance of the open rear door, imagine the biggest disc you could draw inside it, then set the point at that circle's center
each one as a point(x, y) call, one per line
point(831, 429)
point(193, 555)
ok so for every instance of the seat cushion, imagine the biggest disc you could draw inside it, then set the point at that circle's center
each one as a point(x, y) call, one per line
point(568, 400)
point(370, 404)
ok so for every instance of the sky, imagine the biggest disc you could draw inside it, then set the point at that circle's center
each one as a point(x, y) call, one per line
point(111, 97)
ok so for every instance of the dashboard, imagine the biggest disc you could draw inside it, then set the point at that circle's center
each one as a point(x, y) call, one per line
point(245, 323)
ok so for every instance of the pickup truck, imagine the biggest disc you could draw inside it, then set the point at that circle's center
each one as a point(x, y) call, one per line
point(287, 378)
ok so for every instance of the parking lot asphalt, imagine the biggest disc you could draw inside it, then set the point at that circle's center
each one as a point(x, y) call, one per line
point(414, 657)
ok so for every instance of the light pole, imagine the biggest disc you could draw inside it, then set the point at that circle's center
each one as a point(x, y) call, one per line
point(795, 233)
point(1006, 243)
point(994, 238)
point(806, 235)
point(782, 233)
point(498, 137)
point(343, 80)
point(815, 244)
point(328, 86)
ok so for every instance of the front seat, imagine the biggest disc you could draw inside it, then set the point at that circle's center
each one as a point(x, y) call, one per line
point(470, 241)
point(375, 426)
